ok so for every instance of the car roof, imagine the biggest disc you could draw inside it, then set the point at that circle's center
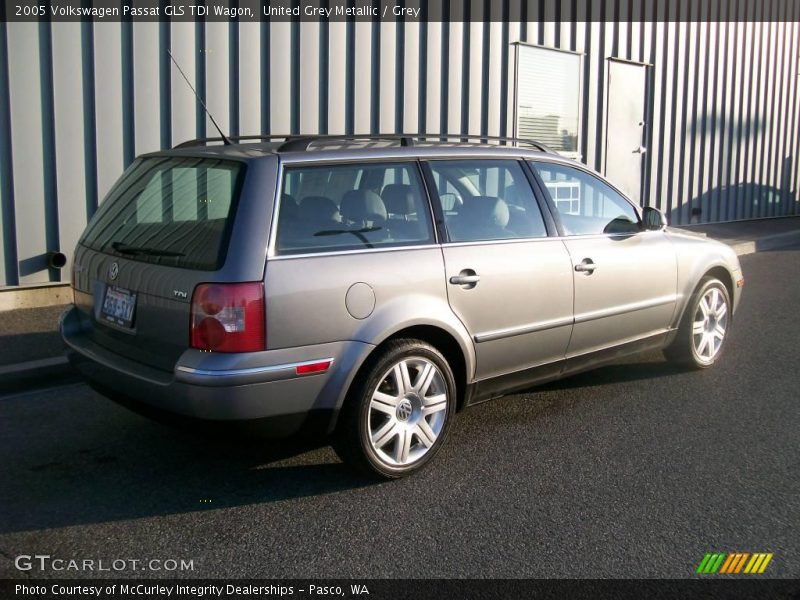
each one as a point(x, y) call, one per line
point(308, 148)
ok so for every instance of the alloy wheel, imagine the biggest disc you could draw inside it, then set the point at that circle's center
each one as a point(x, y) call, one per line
point(407, 411)
point(710, 324)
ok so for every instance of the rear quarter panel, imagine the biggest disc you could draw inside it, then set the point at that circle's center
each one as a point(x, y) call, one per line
point(307, 298)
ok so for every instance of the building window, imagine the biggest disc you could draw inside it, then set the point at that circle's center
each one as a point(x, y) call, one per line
point(547, 95)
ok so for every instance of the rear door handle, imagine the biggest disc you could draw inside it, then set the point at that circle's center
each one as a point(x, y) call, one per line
point(465, 279)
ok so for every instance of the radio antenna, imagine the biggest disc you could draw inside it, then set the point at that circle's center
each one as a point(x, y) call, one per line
point(224, 137)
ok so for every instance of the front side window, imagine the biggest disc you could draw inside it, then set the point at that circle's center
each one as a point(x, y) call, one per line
point(352, 206)
point(585, 204)
point(486, 200)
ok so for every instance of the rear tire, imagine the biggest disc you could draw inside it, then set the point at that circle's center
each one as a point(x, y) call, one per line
point(704, 328)
point(398, 412)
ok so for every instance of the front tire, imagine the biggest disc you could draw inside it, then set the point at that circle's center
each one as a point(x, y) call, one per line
point(704, 328)
point(399, 411)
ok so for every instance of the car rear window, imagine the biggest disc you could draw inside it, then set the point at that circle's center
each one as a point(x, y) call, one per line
point(172, 211)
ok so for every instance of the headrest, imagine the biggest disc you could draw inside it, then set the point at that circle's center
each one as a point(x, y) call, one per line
point(289, 208)
point(319, 208)
point(363, 205)
point(399, 198)
point(512, 194)
point(486, 210)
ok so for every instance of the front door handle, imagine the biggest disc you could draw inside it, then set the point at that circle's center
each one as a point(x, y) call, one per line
point(586, 266)
point(467, 277)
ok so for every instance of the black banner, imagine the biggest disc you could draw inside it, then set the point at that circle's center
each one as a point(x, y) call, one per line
point(393, 10)
point(374, 589)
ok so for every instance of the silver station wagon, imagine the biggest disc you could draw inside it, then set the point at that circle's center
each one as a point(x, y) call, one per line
point(368, 288)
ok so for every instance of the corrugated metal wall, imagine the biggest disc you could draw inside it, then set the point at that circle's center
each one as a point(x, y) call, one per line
point(79, 100)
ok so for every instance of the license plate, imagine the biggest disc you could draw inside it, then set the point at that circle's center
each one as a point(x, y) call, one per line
point(118, 306)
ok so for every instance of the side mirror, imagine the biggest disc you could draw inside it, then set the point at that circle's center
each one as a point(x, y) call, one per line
point(653, 219)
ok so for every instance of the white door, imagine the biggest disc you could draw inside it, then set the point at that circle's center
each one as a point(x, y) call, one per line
point(625, 106)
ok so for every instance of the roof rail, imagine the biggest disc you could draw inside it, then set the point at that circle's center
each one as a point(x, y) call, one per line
point(303, 142)
point(237, 138)
point(489, 138)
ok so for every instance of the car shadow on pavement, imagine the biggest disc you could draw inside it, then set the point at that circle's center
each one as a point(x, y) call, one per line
point(653, 366)
point(89, 461)
point(72, 457)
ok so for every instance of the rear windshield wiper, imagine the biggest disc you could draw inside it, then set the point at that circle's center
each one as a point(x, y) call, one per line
point(142, 250)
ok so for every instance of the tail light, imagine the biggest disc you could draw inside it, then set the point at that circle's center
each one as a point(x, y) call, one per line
point(228, 317)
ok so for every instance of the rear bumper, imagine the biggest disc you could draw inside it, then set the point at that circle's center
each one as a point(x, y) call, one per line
point(259, 386)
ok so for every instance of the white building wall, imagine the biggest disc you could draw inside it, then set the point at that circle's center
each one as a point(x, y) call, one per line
point(723, 128)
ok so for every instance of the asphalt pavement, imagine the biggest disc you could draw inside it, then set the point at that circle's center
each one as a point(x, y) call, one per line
point(633, 470)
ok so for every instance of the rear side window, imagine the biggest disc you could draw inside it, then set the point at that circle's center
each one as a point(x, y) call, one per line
point(170, 211)
point(487, 200)
point(352, 206)
point(586, 205)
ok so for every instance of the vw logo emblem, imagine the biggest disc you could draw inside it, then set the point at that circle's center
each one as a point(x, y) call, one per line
point(404, 410)
point(113, 271)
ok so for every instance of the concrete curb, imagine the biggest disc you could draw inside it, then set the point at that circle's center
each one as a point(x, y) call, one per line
point(36, 296)
point(767, 242)
point(19, 377)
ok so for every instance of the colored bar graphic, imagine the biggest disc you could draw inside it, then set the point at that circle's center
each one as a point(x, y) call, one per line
point(728, 562)
point(710, 564)
point(703, 563)
point(733, 562)
point(765, 563)
point(741, 562)
point(718, 563)
point(754, 564)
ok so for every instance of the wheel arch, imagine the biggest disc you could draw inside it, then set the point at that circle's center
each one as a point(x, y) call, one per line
point(447, 342)
point(681, 348)
point(439, 337)
point(718, 271)
point(724, 276)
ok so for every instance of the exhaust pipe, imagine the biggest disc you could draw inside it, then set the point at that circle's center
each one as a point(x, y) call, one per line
point(56, 260)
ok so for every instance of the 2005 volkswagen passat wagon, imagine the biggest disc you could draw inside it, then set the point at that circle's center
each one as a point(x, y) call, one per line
point(371, 288)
